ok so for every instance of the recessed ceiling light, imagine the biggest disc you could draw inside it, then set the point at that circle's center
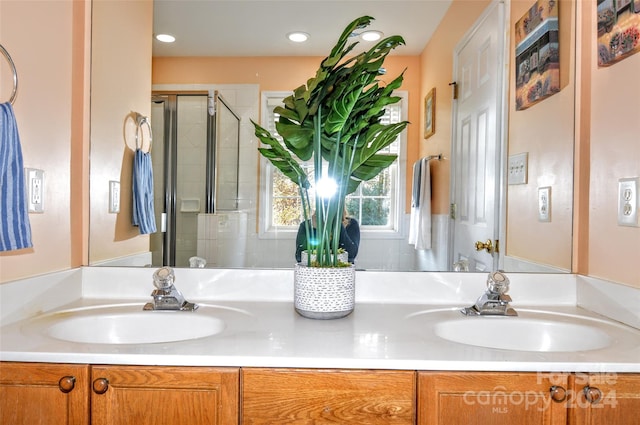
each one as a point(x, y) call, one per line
point(371, 35)
point(298, 37)
point(165, 38)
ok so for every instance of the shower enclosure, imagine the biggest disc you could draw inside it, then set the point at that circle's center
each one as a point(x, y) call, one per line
point(195, 162)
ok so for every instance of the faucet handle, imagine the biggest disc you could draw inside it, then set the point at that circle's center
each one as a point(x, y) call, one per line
point(163, 278)
point(498, 282)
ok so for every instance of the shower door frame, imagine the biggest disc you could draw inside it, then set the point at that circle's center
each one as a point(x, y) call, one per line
point(170, 161)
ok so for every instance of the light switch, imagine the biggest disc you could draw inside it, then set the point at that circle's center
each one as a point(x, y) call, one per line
point(518, 165)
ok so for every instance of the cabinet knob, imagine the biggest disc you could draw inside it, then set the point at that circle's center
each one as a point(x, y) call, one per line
point(592, 394)
point(100, 385)
point(558, 393)
point(67, 383)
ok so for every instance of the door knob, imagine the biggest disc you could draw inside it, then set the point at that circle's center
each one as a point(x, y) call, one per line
point(488, 246)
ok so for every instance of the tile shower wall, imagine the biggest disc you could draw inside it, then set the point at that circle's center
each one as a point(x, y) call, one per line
point(192, 154)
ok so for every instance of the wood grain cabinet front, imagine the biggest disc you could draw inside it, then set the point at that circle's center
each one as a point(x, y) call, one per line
point(606, 399)
point(164, 395)
point(44, 393)
point(327, 396)
point(69, 394)
point(488, 398)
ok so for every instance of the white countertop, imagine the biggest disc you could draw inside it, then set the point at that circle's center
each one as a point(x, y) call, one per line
point(390, 332)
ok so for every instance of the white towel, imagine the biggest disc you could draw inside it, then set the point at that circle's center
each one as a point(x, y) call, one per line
point(420, 226)
point(15, 229)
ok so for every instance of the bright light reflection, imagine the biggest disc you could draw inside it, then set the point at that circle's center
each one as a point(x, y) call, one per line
point(326, 187)
point(165, 38)
point(371, 35)
point(298, 37)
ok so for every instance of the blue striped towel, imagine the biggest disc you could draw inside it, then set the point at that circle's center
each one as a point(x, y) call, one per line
point(15, 229)
point(143, 210)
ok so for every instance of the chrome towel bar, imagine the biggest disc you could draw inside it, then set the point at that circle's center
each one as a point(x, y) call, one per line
point(15, 74)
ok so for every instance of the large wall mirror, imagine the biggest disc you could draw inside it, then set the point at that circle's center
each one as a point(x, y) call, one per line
point(539, 138)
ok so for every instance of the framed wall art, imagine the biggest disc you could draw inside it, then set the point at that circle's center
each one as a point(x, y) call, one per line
point(537, 54)
point(430, 113)
point(618, 30)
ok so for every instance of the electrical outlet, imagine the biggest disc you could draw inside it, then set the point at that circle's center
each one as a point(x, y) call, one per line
point(35, 189)
point(114, 196)
point(544, 204)
point(628, 201)
point(518, 165)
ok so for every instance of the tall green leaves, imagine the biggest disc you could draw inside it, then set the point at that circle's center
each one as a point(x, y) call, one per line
point(335, 119)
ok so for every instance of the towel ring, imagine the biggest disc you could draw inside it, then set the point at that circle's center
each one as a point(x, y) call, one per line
point(140, 120)
point(15, 74)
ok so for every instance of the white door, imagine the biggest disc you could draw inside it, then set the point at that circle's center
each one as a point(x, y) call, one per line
point(477, 141)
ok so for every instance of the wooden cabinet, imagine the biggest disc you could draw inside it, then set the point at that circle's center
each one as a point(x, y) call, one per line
point(304, 396)
point(43, 393)
point(488, 398)
point(67, 394)
point(164, 395)
point(52, 394)
point(606, 399)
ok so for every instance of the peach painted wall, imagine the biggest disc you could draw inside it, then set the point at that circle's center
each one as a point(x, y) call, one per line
point(282, 74)
point(437, 72)
point(613, 123)
point(120, 86)
point(49, 45)
point(546, 132)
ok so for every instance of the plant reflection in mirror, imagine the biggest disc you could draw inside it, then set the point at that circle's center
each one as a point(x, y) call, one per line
point(335, 120)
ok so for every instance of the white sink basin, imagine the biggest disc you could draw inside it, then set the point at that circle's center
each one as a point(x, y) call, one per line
point(523, 334)
point(143, 327)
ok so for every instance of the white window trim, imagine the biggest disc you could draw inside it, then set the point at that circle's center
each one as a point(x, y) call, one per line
point(398, 229)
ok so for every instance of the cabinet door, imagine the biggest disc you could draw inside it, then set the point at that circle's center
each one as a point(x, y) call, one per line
point(141, 395)
point(302, 396)
point(487, 398)
point(607, 399)
point(40, 393)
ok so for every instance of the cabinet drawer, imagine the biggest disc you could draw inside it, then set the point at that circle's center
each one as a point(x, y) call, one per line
point(323, 396)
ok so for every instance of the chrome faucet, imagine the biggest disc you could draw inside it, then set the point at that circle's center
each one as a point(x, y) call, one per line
point(495, 301)
point(166, 296)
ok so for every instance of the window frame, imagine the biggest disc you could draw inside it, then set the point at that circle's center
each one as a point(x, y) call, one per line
point(396, 230)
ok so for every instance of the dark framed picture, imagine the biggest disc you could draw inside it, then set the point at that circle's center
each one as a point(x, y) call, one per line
point(430, 113)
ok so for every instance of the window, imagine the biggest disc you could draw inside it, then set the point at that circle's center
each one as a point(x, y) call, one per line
point(376, 204)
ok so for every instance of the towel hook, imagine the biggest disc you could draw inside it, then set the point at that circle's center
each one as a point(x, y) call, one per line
point(140, 120)
point(15, 74)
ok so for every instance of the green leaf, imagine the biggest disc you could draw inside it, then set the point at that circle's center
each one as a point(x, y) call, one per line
point(280, 157)
point(334, 120)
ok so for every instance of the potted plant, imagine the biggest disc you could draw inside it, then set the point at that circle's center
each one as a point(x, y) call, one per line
point(334, 121)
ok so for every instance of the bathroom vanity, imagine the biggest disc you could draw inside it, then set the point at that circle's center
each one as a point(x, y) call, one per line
point(78, 345)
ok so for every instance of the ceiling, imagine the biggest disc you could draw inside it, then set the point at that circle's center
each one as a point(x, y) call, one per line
point(259, 27)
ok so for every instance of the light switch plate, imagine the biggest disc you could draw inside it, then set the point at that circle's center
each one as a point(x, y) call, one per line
point(518, 165)
point(544, 204)
point(114, 196)
point(628, 201)
point(35, 189)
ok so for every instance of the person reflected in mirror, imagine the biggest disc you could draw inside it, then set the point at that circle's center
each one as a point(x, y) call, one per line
point(349, 236)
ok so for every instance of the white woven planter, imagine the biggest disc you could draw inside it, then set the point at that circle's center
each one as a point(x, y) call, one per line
point(324, 292)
